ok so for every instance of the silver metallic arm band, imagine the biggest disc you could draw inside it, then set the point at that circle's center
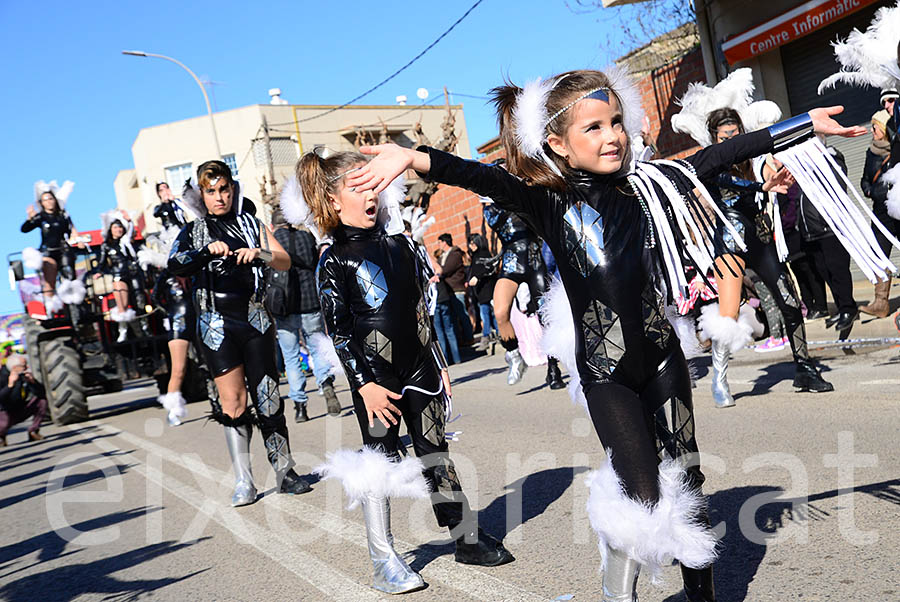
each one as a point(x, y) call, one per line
point(266, 256)
point(438, 355)
point(791, 131)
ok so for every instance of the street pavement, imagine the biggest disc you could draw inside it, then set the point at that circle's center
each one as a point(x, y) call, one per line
point(804, 490)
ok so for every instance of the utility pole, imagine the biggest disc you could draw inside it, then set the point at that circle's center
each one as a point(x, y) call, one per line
point(269, 198)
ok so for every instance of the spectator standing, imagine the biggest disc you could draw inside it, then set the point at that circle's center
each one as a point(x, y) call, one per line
point(809, 281)
point(443, 314)
point(453, 273)
point(878, 157)
point(293, 300)
point(482, 277)
point(830, 257)
point(21, 396)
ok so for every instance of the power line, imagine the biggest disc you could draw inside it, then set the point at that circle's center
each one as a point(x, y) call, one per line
point(452, 93)
point(397, 116)
point(398, 71)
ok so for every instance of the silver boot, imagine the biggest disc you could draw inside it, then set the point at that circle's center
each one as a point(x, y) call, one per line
point(720, 391)
point(392, 574)
point(238, 440)
point(517, 366)
point(620, 577)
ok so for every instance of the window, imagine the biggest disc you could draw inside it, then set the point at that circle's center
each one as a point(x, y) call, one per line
point(176, 175)
point(232, 164)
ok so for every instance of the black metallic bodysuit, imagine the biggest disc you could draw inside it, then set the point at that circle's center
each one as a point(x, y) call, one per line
point(171, 215)
point(120, 262)
point(629, 361)
point(371, 288)
point(521, 259)
point(169, 294)
point(233, 326)
point(736, 198)
point(55, 228)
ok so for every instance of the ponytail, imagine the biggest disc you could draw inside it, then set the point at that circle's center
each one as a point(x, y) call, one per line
point(531, 170)
point(320, 180)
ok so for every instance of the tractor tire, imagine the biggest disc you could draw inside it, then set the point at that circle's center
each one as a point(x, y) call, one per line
point(32, 330)
point(63, 381)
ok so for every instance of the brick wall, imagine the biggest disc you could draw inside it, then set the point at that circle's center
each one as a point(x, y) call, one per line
point(659, 91)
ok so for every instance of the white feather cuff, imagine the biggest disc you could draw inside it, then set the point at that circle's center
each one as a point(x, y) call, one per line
point(729, 332)
point(652, 536)
point(370, 472)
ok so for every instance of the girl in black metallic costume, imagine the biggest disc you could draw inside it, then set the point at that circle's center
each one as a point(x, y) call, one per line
point(225, 252)
point(736, 190)
point(119, 260)
point(521, 261)
point(168, 211)
point(372, 289)
point(170, 293)
point(54, 255)
point(608, 225)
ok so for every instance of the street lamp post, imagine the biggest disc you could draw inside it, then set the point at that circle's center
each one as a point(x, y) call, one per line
point(212, 122)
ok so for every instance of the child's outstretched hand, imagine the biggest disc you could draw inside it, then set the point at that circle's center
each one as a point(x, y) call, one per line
point(378, 404)
point(390, 161)
point(824, 124)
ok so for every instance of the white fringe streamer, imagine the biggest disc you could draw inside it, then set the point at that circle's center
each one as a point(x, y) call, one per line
point(817, 174)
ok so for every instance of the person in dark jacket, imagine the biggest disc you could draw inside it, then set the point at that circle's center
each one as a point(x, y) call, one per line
point(482, 277)
point(443, 315)
point(453, 273)
point(21, 396)
point(878, 155)
point(830, 257)
point(294, 303)
point(809, 280)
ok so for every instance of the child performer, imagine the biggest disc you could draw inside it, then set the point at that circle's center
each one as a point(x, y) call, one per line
point(618, 232)
point(371, 286)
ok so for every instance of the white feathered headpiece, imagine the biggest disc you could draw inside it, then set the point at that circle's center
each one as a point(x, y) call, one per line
point(60, 192)
point(193, 199)
point(734, 92)
point(390, 200)
point(869, 58)
point(107, 218)
point(530, 117)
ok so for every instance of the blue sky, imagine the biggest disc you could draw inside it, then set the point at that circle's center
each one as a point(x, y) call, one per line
point(73, 104)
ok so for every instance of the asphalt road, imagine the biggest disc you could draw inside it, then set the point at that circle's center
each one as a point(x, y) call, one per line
point(804, 488)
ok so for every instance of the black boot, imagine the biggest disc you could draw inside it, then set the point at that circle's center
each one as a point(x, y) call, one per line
point(554, 377)
point(300, 414)
point(331, 400)
point(698, 584)
point(485, 551)
point(292, 483)
point(845, 321)
point(809, 379)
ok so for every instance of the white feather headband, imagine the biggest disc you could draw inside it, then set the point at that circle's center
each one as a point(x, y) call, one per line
point(530, 117)
point(297, 212)
point(60, 192)
point(735, 92)
point(869, 58)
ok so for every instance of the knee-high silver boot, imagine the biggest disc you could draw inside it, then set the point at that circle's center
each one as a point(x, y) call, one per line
point(238, 440)
point(620, 577)
point(720, 391)
point(392, 574)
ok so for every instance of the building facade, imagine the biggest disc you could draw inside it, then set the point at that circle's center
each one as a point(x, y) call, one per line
point(171, 152)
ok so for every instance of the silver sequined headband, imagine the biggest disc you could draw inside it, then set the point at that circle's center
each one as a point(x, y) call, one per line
point(596, 94)
point(341, 175)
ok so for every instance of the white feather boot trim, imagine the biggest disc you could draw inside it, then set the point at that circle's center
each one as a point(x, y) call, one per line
point(174, 403)
point(71, 292)
point(686, 330)
point(32, 258)
point(370, 472)
point(652, 536)
point(117, 315)
point(727, 331)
